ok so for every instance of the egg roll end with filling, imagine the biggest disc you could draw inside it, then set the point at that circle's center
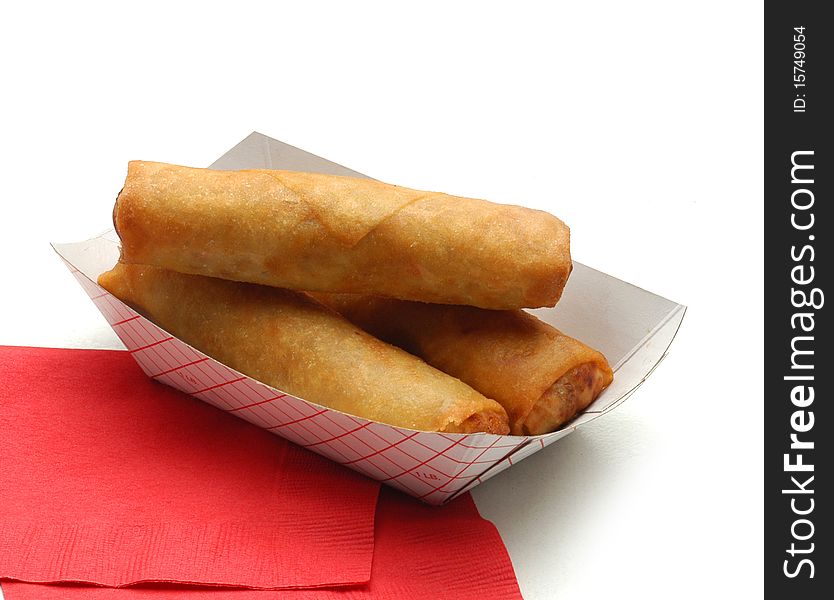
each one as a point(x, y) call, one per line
point(569, 395)
point(542, 377)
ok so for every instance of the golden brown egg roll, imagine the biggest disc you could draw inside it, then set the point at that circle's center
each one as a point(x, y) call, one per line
point(287, 340)
point(542, 377)
point(307, 231)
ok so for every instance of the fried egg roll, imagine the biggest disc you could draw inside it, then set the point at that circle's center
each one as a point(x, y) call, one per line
point(542, 377)
point(287, 340)
point(307, 231)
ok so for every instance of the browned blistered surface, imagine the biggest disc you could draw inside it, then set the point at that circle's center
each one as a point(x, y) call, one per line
point(295, 344)
point(341, 234)
point(541, 376)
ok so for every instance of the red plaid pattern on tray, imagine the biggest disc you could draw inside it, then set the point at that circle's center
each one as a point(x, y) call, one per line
point(433, 467)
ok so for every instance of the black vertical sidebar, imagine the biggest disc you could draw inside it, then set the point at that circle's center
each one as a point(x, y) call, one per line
point(799, 362)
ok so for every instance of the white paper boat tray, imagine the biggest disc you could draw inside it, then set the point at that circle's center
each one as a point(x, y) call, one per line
point(631, 326)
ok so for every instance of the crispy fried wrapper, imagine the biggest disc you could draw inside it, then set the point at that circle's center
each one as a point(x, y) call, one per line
point(306, 231)
point(542, 377)
point(289, 341)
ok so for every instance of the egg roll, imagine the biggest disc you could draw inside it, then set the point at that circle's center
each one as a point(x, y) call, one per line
point(307, 231)
point(542, 377)
point(291, 342)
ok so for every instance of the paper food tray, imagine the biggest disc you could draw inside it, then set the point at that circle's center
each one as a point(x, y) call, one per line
point(631, 326)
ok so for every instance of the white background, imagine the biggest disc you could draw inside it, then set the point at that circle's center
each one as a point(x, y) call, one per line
point(637, 123)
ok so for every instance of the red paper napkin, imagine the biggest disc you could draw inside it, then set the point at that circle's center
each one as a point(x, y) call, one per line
point(422, 553)
point(111, 478)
